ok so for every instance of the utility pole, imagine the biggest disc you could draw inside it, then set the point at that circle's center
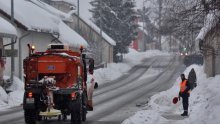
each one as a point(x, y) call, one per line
point(12, 43)
point(192, 36)
point(144, 25)
point(100, 12)
point(78, 16)
point(160, 2)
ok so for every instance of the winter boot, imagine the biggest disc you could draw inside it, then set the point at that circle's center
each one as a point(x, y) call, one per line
point(185, 113)
point(90, 105)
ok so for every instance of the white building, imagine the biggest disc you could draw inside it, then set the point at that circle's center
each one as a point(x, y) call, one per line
point(7, 30)
point(38, 24)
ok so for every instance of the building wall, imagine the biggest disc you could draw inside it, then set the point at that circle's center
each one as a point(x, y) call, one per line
point(98, 47)
point(212, 55)
point(1, 64)
point(40, 40)
point(208, 65)
point(141, 41)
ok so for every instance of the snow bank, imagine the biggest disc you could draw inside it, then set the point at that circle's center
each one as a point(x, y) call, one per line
point(7, 28)
point(134, 57)
point(115, 70)
point(18, 85)
point(3, 96)
point(144, 117)
point(14, 98)
point(204, 105)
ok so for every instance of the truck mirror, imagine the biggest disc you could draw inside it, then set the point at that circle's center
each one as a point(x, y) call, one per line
point(96, 85)
point(91, 65)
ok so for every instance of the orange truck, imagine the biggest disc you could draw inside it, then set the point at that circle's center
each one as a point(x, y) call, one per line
point(55, 84)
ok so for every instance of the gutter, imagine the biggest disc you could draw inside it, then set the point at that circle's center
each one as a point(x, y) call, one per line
point(20, 55)
point(14, 41)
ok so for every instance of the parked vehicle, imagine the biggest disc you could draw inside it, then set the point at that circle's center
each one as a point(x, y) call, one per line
point(193, 59)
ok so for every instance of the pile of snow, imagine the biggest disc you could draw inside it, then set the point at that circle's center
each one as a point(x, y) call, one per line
point(204, 103)
point(17, 85)
point(7, 28)
point(134, 57)
point(115, 70)
point(14, 98)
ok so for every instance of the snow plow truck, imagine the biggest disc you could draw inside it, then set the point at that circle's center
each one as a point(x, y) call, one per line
point(55, 85)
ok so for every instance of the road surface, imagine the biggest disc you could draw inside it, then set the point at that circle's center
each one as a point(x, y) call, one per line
point(121, 98)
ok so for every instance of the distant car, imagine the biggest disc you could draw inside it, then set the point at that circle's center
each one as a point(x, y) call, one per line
point(193, 59)
point(184, 54)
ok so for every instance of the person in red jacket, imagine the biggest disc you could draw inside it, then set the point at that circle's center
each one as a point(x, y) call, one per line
point(184, 93)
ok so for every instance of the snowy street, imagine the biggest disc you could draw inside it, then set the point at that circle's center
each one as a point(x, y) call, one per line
point(109, 61)
point(117, 100)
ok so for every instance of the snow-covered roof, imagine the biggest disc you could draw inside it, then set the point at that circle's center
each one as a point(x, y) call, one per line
point(52, 10)
point(211, 21)
point(67, 1)
point(34, 18)
point(86, 15)
point(7, 28)
point(31, 16)
point(69, 36)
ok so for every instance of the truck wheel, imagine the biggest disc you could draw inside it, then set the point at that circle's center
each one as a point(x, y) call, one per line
point(84, 107)
point(30, 116)
point(84, 112)
point(76, 118)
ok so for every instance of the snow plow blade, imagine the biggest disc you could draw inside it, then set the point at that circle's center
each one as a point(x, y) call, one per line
point(51, 113)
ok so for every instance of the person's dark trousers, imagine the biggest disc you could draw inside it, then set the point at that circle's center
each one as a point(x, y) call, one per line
point(185, 101)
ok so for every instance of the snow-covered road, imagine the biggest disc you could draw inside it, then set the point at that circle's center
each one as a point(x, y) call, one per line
point(121, 98)
point(116, 105)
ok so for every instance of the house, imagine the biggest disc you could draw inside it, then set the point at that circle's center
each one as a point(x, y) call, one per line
point(100, 44)
point(7, 30)
point(140, 42)
point(208, 41)
point(37, 24)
